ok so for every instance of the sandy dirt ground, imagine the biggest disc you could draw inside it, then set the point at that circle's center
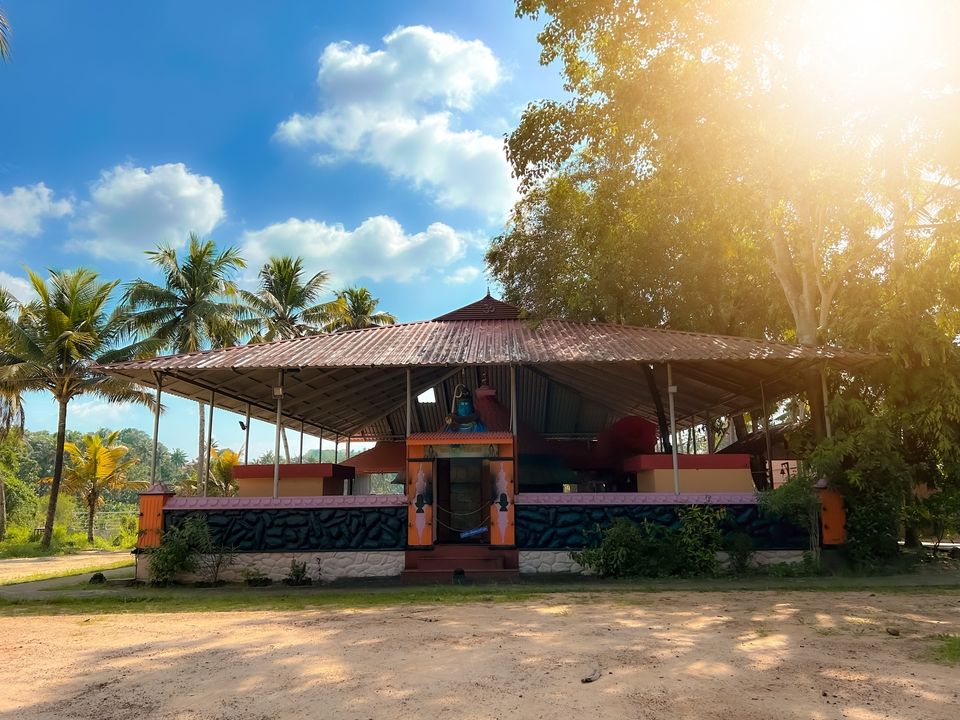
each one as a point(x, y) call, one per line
point(15, 568)
point(742, 655)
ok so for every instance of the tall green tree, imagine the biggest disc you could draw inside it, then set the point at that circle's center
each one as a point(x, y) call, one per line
point(96, 465)
point(196, 307)
point(354, 309)
point(11, 405)
point(287, 301)
point(755, 134)
point(55, 344)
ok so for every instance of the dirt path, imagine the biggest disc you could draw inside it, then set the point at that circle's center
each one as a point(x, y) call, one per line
point(14, 569)
point(660, 655)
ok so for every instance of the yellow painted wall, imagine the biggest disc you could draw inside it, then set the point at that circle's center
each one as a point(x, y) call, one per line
point(696, 481)
point(289, 487)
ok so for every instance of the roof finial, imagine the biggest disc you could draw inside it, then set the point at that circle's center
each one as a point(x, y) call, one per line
point(488, 291)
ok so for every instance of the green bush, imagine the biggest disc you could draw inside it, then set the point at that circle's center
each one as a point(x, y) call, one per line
point(740, 548)
point(873, 526)
point(180, 549)
point(297, 574)
point(700, 538)
point(626, 549)
point(23, 504)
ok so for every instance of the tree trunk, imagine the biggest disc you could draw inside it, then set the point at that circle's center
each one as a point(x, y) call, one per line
point(57, 474)
point(818, 411)
point(92, 510)
point(658, 403)
point(739, 426)
point(3, 510)
point(201, 457)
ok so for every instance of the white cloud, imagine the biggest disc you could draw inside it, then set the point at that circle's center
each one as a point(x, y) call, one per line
point(379, 248)
point(462, 275)
point(397, 108)
point(23, 210)
point(103, 411)
point(133, 209)
point(19, 287)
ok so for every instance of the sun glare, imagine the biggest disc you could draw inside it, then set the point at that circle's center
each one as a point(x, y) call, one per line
point(870, 47)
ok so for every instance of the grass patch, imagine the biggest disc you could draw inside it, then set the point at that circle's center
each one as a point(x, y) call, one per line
point(141, 599)
point(18, 543)
point(947, 650)
point(66, 572)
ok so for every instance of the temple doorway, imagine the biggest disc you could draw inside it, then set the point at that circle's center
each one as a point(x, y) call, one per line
point(462, 510)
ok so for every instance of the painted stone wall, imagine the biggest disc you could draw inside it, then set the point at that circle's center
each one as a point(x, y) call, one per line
point(302, 529)
point(322, 566)
point(556, 527)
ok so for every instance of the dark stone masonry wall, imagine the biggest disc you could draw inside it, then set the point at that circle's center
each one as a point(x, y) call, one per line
point(291, 530)
point(562, 527)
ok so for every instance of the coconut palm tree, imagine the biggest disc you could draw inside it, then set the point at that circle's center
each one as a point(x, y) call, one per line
point(11, 408)
point(196, 308)
point(286, 301)
point(221, 471)
point(4, 37)
point(55, 344)
point(354, 309)
point(95, 465)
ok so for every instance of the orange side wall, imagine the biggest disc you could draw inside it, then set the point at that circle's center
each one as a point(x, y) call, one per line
point(151, 520)
point(833, 518)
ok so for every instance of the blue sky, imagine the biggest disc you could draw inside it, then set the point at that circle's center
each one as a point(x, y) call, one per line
point(366, 137)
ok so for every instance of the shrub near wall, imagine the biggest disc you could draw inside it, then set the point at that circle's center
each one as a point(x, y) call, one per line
point(628, 549)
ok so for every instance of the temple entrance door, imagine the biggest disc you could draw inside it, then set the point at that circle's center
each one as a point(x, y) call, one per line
point(463, 503)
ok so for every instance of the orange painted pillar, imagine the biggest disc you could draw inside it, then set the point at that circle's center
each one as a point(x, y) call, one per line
point(833, 518)
point(152, 501)
point(502, 507)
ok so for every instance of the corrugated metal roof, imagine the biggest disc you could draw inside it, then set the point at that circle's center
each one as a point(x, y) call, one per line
point(490, 342)
point(573, 378)
point(487, 308)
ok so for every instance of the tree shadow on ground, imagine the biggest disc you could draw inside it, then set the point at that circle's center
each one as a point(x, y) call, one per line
point(665, 655)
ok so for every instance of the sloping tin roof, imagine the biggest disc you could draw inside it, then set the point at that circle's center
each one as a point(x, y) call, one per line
point(573, 378)
point(490, 342)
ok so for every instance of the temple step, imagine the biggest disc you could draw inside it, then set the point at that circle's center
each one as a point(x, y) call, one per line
point(491, 562)
point(447, 577)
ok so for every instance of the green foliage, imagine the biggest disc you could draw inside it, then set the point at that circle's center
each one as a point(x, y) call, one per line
point(947, 650)
point(872, 529)
point(286, 303)
point(180, 549)
point(740, 547)
point(297, 574)
point(700, 539)
point(939, 514)
point(355, 309)
point(797, 500)
point(626, 549)
point(254, 578)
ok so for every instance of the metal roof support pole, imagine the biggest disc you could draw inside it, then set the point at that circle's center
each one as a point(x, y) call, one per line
point(301, 442)
point(246, 438)
point(766, 432)
point(206, 461)
point(513, 400)
point(671, 391)
point(409, 401)
point(320, 448)
point(278, 394)
point(693, 431)
point(156, 429)
point(336, 449)
point(826, 402)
